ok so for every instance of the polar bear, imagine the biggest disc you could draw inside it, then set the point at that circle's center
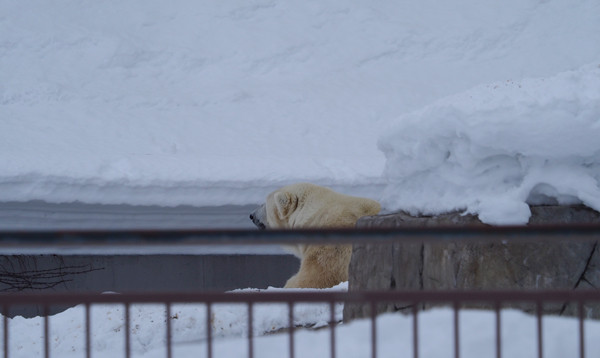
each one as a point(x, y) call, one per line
point(304, 205)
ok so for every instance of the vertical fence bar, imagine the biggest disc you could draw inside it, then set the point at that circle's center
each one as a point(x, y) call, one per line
point(332, 327)
point(291, 327)
point(46, 332)
point(127, 338)
point(168, 328)
point(5, 330)
point(373, 330)
point(415, 331)
point(539, 329)
point(498, 332)
point(581, 330)
point(250, 331)
point(88, 343)
point(208, 330)
point(456, 332)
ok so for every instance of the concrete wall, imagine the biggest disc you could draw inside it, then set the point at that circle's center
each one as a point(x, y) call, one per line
point(140, 273)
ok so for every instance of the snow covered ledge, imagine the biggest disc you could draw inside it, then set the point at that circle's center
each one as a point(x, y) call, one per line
point(497, 148)
point(412, 266)
point(506, 153)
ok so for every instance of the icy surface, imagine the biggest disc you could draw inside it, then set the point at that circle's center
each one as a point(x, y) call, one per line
point(207, 104)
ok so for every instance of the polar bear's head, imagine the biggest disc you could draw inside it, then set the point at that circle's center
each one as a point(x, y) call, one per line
point(306, 205)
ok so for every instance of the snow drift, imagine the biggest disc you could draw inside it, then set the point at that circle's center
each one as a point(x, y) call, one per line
point(496, 148)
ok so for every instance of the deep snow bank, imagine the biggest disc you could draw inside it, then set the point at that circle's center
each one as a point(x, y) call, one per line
point(186, 102)
point(495, 148)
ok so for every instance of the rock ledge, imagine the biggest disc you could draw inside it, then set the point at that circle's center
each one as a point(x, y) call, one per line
point(467, 265)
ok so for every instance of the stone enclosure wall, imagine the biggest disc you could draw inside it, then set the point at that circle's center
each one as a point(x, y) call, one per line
point(468, 265)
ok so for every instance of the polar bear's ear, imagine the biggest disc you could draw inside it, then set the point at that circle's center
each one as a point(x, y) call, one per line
point(286, 203)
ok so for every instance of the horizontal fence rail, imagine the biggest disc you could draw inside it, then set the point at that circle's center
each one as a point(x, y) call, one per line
point(462, 296)
point(234, 237)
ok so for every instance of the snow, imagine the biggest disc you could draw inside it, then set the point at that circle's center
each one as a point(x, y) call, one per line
point(230, 331)
point(148, 327)
point(495, 148)
point(428, 106)
point(187, 103)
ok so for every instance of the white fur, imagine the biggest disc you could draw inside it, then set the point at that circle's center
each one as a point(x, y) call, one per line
point(304, 205)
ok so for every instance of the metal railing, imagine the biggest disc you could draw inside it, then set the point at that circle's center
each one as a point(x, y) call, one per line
point(441, 234)
point(457, 300)
point(454, 299)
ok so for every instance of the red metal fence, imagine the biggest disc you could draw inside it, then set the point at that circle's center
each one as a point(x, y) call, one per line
point(453, 298)
point(457, 300)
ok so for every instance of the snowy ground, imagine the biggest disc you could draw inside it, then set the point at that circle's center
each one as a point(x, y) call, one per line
point(188, 103)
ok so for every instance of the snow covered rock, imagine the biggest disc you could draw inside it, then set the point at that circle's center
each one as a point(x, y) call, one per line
point(497, 148)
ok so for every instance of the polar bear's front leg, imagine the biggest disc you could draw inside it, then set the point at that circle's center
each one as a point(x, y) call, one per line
point(322, 266)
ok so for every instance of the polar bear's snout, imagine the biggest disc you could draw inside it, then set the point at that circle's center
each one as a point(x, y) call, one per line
point(259, 217)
